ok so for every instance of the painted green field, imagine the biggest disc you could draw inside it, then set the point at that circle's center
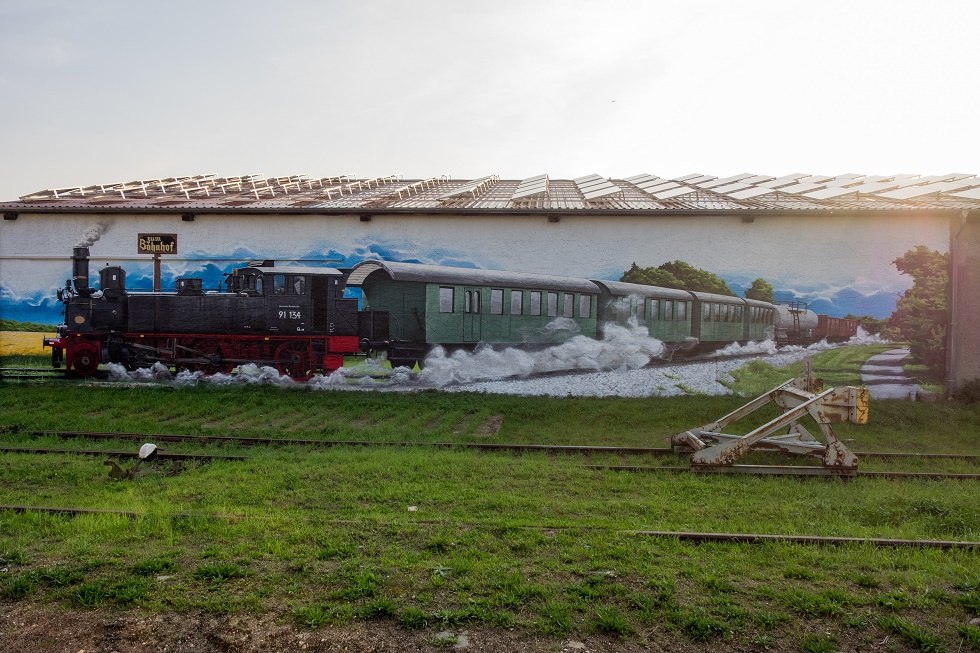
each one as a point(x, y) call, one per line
point(425, 540)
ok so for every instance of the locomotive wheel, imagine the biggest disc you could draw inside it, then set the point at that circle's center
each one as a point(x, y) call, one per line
point(292, 360)
point(85, 359)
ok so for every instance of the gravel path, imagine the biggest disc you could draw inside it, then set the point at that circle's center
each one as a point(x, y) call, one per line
point(886, 379)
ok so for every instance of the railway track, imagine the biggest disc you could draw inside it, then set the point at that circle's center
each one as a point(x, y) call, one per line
point(120, 454)
point(687, 536)
point(769, 470)
point(482, 446)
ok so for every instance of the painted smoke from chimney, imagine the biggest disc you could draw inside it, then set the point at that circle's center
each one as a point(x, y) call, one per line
point(92, 234)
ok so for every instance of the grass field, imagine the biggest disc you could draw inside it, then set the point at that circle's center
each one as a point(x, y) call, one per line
point(429, 539)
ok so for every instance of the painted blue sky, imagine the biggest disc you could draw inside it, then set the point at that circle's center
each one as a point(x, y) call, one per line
point(41, 306)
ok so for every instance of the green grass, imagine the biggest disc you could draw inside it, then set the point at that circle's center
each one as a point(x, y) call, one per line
point(324, 536)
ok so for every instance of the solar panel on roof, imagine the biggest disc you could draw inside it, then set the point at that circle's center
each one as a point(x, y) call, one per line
point(840, 180)
point(730, 188)
point(674, 192)
point(875, 187)
point(689, 177)
point(909, 192)
point(785, 180)
point(592, 182)
point(656, 188)
point(635, 179)
point(475, 186)
point(972, 194)
point(699, 180)
point(756, 179)
point(755, 191)
point(724, 180)
point(531, 186)
point(601, 191)
point(814, 179)
point(800, 188)
point(593, 186)
point(828, 192)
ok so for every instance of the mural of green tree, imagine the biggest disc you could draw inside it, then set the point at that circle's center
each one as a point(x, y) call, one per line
point(921, 315)
point(677, 274)
point(761, 290)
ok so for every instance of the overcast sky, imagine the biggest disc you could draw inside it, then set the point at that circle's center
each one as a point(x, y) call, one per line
point(106, 91)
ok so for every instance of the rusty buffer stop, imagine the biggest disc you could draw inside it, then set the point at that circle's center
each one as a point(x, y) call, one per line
point(799, 398)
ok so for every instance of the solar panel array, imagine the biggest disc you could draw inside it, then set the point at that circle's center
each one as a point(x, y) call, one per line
point(640, 192)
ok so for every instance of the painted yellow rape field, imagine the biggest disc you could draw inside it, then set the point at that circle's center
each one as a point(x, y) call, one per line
point(20, 343)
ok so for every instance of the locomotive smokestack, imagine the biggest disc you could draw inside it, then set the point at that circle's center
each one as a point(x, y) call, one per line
point(79, 273)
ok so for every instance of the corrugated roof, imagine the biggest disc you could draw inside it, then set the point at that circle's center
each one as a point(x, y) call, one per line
point(642, 192)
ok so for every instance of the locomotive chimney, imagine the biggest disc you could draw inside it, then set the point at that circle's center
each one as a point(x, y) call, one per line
point(79, 267)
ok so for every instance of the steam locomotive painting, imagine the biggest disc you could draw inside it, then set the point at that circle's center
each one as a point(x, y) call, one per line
point(299, 320)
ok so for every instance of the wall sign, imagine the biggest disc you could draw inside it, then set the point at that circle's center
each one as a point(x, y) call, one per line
point(156, 244)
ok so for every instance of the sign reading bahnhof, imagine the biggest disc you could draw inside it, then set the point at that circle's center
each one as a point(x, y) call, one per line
point(157, 244)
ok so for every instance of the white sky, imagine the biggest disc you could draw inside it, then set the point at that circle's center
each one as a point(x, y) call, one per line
point(109, 91)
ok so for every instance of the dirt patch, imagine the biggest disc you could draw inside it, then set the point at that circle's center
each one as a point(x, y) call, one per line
point(35, 628)
point(490, 426)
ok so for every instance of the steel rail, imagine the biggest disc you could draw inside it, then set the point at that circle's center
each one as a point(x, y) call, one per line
point(581, 449)
point(120, 454)
point(771, 470)
point(690, 536)
point(246, 440)
point(786, 470)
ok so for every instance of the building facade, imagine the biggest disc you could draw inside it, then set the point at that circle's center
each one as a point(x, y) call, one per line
point(829, 242)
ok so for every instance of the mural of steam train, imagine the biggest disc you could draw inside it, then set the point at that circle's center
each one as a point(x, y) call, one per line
point(301, 321)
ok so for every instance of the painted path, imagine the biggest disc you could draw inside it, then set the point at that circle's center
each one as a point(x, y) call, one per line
point(884, 377)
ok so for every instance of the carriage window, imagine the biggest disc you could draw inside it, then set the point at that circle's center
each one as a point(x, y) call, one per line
point(681, 310)
point(516, 302)
point(299, 285)
point(567, 305)
point(641, 312)
point(654, 309)
point(668, 310)
point(585, 305)
point(535, 302)
point(552, 304)
point(472, 301)
point(279, 284)
point(706, 311)
point(258, 283)
point(446, 299)
point(497, 301)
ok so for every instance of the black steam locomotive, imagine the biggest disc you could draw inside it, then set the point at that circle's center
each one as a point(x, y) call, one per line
point(295, 319)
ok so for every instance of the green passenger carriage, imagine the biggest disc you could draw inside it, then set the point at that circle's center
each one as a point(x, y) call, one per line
point(665, 312)
point(459, 307)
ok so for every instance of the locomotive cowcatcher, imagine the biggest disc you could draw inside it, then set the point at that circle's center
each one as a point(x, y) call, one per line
point(293, 318)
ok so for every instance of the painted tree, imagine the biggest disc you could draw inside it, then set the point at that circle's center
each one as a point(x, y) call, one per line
point(761, 290)
point(651, 277)
point(921, 314)
point(677, 274)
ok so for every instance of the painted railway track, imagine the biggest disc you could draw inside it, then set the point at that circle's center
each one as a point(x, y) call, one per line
point(768, 470)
